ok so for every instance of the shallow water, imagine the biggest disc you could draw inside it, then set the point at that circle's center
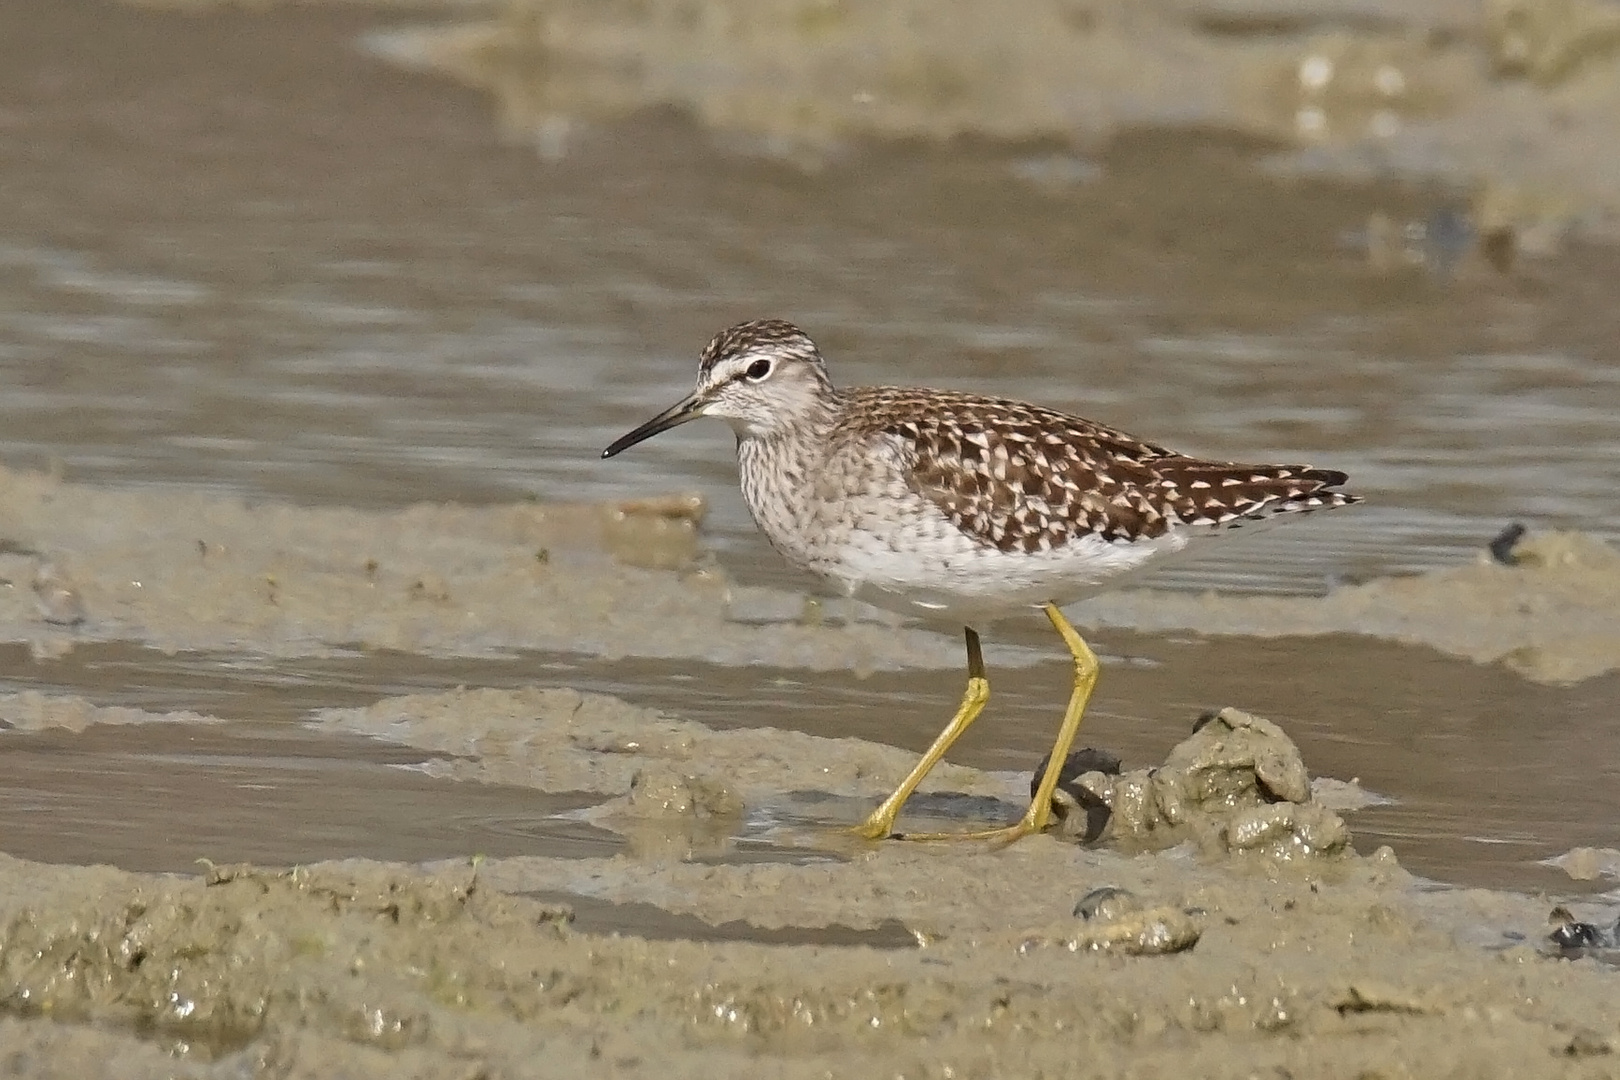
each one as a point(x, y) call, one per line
point(237, 253)
point(1485, 774)
point(166, 797)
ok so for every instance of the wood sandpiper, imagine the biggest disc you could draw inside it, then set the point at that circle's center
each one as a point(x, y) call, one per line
point(963, 507)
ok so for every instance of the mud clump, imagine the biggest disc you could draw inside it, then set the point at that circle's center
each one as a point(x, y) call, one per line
point(1237, 784)
point(663, 793)
point(1115, 921)
point(1156, 932)
point(1588, 863)
point(673, 813)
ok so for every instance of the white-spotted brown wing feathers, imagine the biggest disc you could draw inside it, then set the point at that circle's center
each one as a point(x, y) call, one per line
point(1021, 478)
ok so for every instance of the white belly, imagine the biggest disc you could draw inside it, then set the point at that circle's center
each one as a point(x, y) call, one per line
point(857, 524)
point(933, 568)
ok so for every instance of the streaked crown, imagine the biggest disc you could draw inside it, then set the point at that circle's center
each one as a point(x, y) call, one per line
point(763, 376)
point(769, 338)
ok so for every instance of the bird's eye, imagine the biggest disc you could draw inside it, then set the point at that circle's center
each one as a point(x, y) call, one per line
point(758, 370)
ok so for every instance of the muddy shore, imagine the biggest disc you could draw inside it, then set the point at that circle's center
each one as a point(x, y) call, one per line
point(1283, 957)
point(193, 572)
point(1237, 927)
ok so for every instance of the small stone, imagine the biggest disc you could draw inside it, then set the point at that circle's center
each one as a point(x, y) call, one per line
point(1107, 903)
point(1501, 548)
point(1155, 932)
point(1081, 802)
point(56, 597)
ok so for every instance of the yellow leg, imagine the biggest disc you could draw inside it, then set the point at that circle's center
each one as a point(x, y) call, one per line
point(881, 823)
point(1039, 814)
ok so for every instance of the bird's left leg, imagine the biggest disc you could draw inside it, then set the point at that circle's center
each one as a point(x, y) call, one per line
point(1039, 814)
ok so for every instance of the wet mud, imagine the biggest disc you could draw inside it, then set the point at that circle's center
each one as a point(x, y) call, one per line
point(196, 572)
point(186, 571)
point(193, 572)
point(1220, 916)
point(1288, 956)
point(1547, 612)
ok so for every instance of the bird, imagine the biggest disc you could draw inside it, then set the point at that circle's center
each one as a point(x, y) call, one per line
point(963, 507)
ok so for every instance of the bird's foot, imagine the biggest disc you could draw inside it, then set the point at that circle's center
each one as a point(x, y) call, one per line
point(997, 837)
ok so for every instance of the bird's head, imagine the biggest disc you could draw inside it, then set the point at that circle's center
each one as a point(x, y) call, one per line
point(761, 377)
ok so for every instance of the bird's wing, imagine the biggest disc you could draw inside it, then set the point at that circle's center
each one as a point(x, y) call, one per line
point(1021, 478)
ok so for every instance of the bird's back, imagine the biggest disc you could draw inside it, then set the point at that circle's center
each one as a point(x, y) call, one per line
point(1021, 477)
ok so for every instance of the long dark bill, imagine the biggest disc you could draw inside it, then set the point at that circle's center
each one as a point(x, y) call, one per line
point(674, 416)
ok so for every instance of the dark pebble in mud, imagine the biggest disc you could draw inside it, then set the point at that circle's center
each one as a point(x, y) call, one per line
point(1106, 903)
point(1501, 548)
point(1574, 938)
point(1070, 795)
